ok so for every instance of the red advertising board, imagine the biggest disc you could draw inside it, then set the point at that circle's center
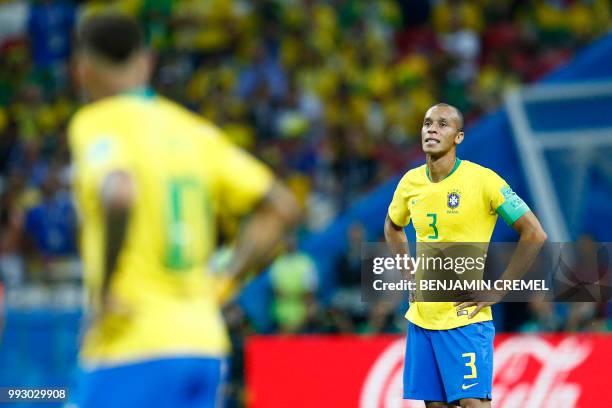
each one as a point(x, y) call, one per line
point(531, 371)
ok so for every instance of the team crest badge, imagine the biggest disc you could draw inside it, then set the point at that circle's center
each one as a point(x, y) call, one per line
point(453, 200)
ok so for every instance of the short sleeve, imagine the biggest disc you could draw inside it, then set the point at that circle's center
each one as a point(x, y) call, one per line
point(243, 180)
point(503, 200)
point(94, 157)
point(399, 212)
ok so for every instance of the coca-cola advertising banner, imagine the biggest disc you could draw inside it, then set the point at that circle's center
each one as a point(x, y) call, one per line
point(531, 371)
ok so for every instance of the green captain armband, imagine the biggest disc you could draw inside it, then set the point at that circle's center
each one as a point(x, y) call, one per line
point(513, 206)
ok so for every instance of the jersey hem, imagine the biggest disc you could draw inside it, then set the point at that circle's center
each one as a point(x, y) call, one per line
point(428, 327)
point(89, 364)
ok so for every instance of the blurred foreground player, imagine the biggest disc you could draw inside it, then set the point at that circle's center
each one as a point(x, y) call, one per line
point(449, 352)
point(149, 178)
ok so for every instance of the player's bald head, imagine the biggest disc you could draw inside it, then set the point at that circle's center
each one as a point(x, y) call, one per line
point(111, 37)
point(456, 114)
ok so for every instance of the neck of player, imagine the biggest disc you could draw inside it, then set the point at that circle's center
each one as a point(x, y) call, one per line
point(114, 79)
point(440, 167)
point(117, 86)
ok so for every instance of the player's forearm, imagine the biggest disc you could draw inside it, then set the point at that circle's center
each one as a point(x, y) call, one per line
point(395, 237)
point(397, 242)
point(117, 195)
point(524, 255)
point(116, 229)
point(531, 240)
point(261, 234)
point(256, 244)
point(394, 234)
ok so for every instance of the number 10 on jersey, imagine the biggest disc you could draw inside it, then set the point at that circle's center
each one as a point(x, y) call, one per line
point(187, 218)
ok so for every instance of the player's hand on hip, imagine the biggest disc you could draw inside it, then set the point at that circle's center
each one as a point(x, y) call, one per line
point(479, 306)
point(114, 307)
point(492, 296)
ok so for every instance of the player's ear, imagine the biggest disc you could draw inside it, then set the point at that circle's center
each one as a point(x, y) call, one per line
point(147, 61)
point(79, 67)
point(84, 72)
point(75, 71)
point(459, 137)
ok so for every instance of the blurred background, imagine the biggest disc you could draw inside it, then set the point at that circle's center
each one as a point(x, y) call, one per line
point(330, 94)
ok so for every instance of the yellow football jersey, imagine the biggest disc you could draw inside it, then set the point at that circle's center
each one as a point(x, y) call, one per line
point(184, 170)
point(463, 207)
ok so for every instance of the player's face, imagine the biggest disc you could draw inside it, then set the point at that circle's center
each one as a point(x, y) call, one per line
point(439, 133)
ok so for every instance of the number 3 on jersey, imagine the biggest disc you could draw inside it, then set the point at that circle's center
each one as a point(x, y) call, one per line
point(434, 220)
point(186, 221)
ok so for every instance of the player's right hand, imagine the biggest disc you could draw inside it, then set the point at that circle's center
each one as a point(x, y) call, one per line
point(115, 308)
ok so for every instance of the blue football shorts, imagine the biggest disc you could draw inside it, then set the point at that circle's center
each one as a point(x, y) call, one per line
point(449, 365)
point(165, 382)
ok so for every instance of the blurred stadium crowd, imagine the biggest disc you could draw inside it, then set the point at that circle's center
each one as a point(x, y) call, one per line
point(329, 93)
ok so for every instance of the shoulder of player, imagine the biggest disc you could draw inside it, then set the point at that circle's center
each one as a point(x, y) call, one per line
point(477, 169)
point(84, 118)
point(415, 172)
point(206, 128)
point(95, 113)
point(85, 114)
point(412, 176)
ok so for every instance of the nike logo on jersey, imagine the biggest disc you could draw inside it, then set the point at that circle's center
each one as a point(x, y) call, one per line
point(467, 387)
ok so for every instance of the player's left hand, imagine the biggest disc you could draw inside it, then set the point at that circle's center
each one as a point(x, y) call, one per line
point(479, 305)
point(496, 297)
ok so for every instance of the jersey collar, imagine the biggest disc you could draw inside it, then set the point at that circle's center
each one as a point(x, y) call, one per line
point(142, 92)
point(455, 167)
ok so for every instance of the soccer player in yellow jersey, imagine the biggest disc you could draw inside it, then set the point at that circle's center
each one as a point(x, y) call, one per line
point(149, 177)
point(449, 352)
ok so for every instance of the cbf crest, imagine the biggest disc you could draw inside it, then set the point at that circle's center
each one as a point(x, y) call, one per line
point(453, 199)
